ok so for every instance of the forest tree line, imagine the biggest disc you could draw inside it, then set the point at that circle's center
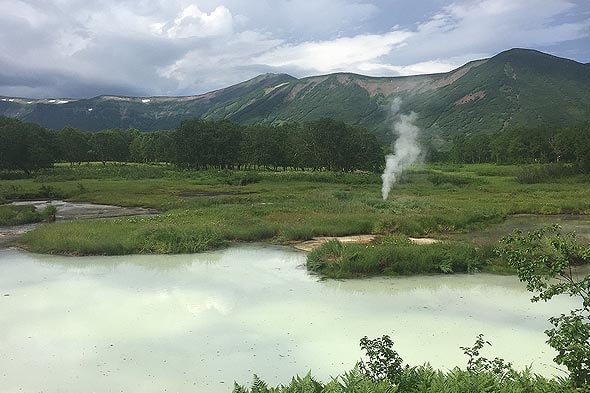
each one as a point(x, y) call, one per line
point(324, 144)
point(525, 145)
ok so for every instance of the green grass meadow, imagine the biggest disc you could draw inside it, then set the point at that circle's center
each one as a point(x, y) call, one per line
point(202, 210)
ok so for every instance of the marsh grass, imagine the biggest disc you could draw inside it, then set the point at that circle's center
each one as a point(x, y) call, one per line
point(92, 237)
point(172, 240)
point(543, 173)
point(17, 215)
point(397, 256)
point(202, 209)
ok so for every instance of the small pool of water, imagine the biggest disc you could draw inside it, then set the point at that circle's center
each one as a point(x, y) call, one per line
point(82, 210)
point(196, 323)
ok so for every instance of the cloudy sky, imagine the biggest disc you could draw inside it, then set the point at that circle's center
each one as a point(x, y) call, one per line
point(80, 48)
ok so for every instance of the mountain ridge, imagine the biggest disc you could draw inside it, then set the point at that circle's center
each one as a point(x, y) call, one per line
point(513, 88)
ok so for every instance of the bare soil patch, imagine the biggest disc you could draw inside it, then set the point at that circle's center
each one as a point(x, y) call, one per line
point(314, 243)
point(310, 245)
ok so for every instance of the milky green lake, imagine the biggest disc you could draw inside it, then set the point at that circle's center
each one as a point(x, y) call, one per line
point(196, 323)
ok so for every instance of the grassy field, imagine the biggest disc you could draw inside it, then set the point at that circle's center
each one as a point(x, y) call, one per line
point(207, 209)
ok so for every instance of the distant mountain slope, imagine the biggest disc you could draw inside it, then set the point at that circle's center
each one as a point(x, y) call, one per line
point(516, 88)
point(519, 87)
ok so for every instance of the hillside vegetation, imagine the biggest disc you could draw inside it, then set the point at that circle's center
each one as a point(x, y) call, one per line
point(516, 88)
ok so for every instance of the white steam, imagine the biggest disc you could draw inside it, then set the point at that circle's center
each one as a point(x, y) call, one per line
point(406, 150)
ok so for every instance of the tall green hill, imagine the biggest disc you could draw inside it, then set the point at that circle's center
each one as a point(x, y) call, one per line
point(518, 87)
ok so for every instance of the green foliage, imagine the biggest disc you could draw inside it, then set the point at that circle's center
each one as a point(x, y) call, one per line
point(152, 147)
point(395, 256)
point(26, 146)
point(438, 178)
point(48, 191)
point(74, 145)
point(48, 213)
point(101, 237)
point(307, 384)
point(540, 173)
point(333, 145)
point(111, 145)
point(243, 179)
point(383, 362)
point(383, 373)
point(325, 144)
point(478, 364)
point(17, 215)
point(424, 379)
point(546, 260)
point(172, 240)
point(323, 177)
point(554, 152)
point(113, 171)
point(200, 144)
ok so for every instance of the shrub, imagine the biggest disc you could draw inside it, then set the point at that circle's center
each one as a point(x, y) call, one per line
point(17, 215)
point(48, 214)
point(383, 362)
point(546, 261)
point(544, 173)
point(383, 373)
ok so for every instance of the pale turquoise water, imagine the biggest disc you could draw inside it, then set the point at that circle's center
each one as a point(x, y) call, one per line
point(196, 323)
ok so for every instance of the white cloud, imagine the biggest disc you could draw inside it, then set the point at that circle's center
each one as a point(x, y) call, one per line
point(459, 32)
point(225, 61)
point(192, 22)
point(73, 47)
point(492, 26)
point(336, 55)
point(425, 67)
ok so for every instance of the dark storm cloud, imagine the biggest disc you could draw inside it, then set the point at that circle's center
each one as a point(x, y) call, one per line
point(57, 84)
point(73, 48)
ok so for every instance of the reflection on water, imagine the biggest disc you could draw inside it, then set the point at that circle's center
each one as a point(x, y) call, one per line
point(193, 323)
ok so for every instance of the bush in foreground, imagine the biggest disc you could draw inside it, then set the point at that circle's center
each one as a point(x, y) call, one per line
point(383, 372)
point(549, 263)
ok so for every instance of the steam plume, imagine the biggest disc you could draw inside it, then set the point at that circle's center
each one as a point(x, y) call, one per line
point(406, 150)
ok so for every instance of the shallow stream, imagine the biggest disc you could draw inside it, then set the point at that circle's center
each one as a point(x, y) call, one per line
point(196, 323)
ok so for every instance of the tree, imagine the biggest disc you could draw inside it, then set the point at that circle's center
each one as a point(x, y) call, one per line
point(322, 144)
point(261, 146)
point(325, 140)
point(164, 147)
point(361, 150)
point(111, 145)
point(547, 261)
point(26, 146)
point(74, 145)
point(202, 143)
